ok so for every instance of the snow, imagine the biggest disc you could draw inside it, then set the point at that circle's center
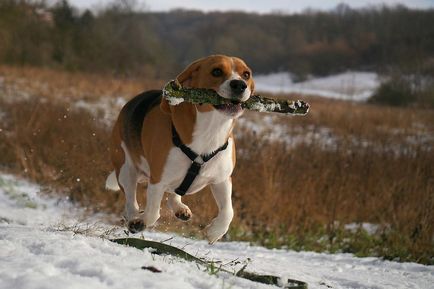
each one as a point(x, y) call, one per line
point(369, 228)
point(351, 85)
point(106, 109)
point(273, 128)
point(268, 127)
point(43, 244)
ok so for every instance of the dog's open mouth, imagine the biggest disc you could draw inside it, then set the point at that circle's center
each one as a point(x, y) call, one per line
point(230, 108)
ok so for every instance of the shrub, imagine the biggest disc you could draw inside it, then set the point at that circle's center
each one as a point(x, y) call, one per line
point(400, 89)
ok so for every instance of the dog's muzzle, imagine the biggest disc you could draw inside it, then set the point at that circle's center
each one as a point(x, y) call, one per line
point(237, 87)
point(235, 90)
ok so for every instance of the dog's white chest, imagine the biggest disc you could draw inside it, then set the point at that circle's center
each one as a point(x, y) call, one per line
point(211, 131)
point(215, 170)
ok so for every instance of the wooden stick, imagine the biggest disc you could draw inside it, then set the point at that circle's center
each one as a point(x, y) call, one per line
point(175, 94)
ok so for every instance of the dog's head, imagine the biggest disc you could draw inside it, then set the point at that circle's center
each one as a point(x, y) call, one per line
point(230, 77)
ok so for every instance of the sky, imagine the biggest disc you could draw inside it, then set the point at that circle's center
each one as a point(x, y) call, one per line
point(259, 6)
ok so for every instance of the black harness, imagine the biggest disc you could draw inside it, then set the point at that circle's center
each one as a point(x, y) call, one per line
point(196, 161)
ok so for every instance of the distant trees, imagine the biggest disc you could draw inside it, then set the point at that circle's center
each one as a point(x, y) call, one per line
point(123, 41)
point(117, 40)
point(24, 34)
point(313, 43)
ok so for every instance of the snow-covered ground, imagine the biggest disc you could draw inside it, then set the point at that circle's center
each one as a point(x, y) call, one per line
point(43, 244)
point(358, 86)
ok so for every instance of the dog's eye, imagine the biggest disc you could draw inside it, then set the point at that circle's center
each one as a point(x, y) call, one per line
point(217, 72)
point(246, 75)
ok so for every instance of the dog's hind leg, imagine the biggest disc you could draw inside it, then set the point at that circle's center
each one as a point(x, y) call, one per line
point(180, 210)
point(127, 176)
point(222, 193)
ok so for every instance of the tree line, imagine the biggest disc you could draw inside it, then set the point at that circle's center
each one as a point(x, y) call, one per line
point(125, 42)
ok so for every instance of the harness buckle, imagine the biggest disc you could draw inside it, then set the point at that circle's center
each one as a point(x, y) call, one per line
point(199, 160)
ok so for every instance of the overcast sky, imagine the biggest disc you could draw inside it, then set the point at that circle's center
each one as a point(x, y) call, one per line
point(261, 6)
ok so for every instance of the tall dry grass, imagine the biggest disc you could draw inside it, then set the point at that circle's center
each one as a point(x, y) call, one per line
point(69, 86)
point(298, 180)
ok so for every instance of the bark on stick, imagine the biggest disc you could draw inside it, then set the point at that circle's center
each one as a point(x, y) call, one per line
point(175, 94)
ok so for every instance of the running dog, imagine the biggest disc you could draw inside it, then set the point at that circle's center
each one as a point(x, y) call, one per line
point(183, 148)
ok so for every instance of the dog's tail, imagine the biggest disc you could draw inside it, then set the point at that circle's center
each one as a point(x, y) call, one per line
point(112, 183)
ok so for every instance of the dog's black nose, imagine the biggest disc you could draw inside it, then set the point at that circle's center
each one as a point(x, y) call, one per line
point(238, 86)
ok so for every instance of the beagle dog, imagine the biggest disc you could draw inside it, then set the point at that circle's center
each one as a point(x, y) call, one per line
point(181, 149)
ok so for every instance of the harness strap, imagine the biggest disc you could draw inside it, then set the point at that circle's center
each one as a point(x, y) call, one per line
point(196, 161)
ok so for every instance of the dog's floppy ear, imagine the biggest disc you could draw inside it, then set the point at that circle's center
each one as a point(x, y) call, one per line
point(164, 105)
point(252, 86)
point(185, 78)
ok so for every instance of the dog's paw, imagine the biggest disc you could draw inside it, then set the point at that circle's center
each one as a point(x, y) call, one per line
point(136, 225)
point(214, 231)
point(184, 214)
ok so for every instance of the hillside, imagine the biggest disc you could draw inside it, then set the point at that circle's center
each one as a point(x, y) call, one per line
point(120, 41)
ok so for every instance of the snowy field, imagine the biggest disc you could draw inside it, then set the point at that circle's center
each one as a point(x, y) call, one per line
point(357, 86)
point(47, 243)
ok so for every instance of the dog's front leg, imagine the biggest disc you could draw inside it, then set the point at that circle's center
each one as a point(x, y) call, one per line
point(222, 193)
point(151, 213)
point(154, 195)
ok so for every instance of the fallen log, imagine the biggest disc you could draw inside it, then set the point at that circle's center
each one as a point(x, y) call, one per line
point(159, 248)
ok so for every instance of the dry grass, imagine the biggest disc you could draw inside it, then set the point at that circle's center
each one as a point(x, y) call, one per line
point(69, 86)
point(298, 180)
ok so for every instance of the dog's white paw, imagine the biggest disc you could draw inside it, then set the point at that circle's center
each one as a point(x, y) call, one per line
point(215, 231)
point(136, 225)
point(184, 214)
point(141, 221)
point(180, 210)
point(135, 222)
